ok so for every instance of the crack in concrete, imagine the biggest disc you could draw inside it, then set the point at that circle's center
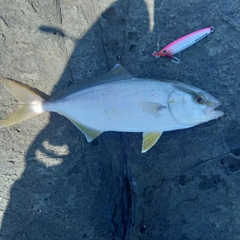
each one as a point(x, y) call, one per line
point(200, 163)
point(174, 209)
point(34, 9)
point(4, 21)
point(230, 22)
point(127, 196)
point(226, 19)
point(102, 40)
point(126, 11)
point(68, 65)
point(84, 14)
point(122, 197)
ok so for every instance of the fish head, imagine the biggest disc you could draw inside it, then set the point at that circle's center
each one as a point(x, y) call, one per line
point(191, 106)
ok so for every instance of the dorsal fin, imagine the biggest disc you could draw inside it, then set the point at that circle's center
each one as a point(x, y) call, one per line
point(117, 73)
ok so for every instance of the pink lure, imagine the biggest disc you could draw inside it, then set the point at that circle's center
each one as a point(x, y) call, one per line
point(183, 43)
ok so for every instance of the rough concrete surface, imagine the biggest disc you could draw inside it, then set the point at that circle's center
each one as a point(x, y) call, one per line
point(54, 185)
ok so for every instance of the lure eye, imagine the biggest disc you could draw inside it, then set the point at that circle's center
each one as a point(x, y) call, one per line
point(164, 51)
point(199, 99)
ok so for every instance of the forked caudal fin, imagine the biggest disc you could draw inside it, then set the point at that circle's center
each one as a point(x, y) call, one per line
point(30, 101)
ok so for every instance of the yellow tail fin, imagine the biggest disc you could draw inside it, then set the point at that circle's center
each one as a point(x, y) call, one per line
point(31, 102)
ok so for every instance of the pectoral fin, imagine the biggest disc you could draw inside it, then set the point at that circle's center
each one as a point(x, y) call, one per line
point(152, 108)
point(89, 133)
point(149, 139)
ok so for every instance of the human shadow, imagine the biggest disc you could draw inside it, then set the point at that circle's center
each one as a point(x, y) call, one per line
point(71, 189)
point(107, 189)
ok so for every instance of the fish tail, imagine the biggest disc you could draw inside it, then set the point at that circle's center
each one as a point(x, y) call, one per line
point(31, 102)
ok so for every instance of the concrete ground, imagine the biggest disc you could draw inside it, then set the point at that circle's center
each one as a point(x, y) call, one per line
point(54, 185)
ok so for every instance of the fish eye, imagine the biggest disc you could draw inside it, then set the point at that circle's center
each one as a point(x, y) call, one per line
point(164, 51)
point(199, 99)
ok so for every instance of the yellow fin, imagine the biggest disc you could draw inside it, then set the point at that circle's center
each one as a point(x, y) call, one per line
point(20, 91)
point(32, 103)
point(149, 139)
point(23, 113)
point(89, 133)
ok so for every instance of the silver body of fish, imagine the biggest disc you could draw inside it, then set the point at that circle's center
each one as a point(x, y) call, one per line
point(118, 101)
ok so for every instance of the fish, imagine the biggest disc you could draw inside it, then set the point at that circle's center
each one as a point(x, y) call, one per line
point(183, 43)
point(118, 101)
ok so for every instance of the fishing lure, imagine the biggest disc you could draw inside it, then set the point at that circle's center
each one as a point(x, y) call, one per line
point(183, 43)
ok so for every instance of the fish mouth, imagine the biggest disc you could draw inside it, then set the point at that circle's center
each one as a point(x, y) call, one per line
point(214, 114)
point(156, 55)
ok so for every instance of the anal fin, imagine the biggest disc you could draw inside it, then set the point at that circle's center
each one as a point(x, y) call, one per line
point(89, 133)
point(149, 139)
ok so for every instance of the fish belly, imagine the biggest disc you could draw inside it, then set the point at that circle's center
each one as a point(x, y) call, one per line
point(129, 106)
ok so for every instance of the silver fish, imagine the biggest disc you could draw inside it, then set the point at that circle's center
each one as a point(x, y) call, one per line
point(120, 102)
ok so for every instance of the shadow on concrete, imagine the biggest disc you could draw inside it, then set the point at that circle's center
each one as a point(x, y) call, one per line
point(107, 189)
point(85, 193)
